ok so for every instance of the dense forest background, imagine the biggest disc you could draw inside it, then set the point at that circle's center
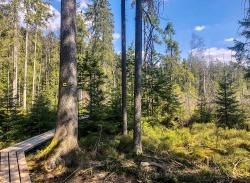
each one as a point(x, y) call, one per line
point(198, 107)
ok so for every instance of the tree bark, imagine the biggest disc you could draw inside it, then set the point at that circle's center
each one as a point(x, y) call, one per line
point(39, 78)
point(15, 56)
point(138, 67)
point(25, 69)
point(67, 112)
point(8, 89)
point(19, 92)
point(34, 70)
point(124, 82)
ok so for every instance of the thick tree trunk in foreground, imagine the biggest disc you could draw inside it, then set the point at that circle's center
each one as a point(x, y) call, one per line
point(124, 87)
point(138, 66)
point(67, 114)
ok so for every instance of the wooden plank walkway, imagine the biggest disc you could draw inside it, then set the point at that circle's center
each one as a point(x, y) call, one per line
point(31, 143)
point(13, 166)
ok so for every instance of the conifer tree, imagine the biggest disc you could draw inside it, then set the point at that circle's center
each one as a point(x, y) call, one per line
point(124, 83)
point(100, 55)
point(66, 136)
point(137, 89)
point(15, 49)
point(228, 112)
point(241, 46)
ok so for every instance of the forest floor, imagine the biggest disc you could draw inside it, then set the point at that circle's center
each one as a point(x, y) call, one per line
point(199, 153)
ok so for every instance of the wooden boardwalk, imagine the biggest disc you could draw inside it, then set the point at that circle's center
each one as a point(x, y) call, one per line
point(13, 166)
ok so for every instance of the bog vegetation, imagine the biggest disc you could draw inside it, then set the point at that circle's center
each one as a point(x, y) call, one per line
point(153, 116)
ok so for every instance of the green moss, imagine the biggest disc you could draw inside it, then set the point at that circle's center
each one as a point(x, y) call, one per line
point(203, 145)
point(198, 153)
point(48, 150)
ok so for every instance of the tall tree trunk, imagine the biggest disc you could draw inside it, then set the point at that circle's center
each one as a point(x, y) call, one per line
point(67, 112)
point(15, 56)
point(138, 67)
point(25, 68)
point(34, 70)
point(19, 93)
point(8, 89)
point(124, 83)
point(39, 78)
point(46, 68)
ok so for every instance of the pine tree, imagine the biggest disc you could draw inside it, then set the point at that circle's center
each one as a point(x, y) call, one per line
point(39, 19)
point(137, 89)
point(172, 47)
point(15, 49)
point(228, 113)
point(124, 83)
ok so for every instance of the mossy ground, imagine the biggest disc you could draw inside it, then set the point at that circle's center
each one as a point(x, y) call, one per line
point(199, 153)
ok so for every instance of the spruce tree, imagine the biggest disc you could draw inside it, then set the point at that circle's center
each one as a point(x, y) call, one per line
point(169, 98)
point(228, 112)
point(99, 60)
point(66, 135)
point(170, 103)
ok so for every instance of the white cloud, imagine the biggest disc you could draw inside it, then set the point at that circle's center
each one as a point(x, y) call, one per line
point(83, 4)
point(54, 22)
point(199, 28)
point(229, 39)
point(21, 18)
point(215, 54)
point(116, 36)
point(5, 2)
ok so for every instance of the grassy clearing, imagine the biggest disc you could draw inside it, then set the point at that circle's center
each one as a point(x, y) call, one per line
point(200, 153)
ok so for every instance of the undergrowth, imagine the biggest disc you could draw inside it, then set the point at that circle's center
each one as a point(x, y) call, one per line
point(199, 153)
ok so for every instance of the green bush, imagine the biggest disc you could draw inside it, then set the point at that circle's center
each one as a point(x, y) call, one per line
point(228, 149)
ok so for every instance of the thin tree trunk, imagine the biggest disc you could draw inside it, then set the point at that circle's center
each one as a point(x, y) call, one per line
point(39, 78)
point(19, 93)
point(46, 68)
point(124, 82)
point(138, 66)
point(25, 68)
point(8, 89)
point(204, 84)
point(34, 70)
point(67, 112)
point(15, 56)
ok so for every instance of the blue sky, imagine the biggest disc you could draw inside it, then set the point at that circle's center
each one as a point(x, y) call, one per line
point(216, 21)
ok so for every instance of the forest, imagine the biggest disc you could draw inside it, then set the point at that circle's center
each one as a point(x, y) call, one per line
point(144, 113)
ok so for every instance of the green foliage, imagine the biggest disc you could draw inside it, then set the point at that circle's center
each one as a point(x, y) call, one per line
point(96, 64)
point(201, 152)
point(42, 118)
point(171, 45)
point(96, 81)
point(203, 145)
point(228, 112)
